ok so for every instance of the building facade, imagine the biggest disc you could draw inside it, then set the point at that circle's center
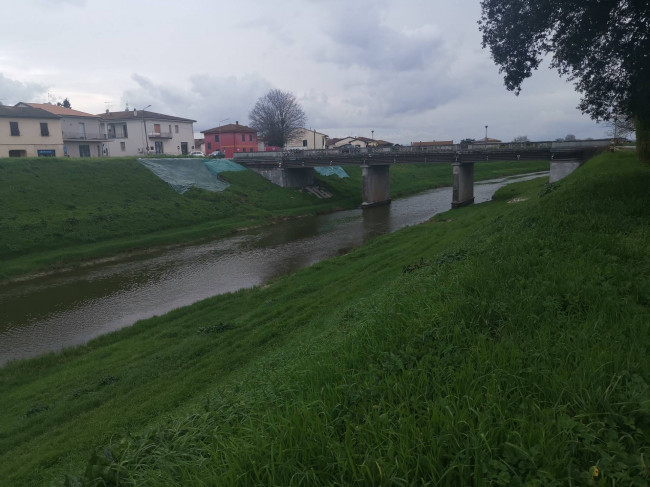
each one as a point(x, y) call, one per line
point(230, 139)
point(26, 131)
point(306, 139)
point(141, 132)
point(82, 133)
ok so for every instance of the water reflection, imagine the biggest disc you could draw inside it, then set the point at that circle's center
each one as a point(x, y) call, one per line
point(67, 309)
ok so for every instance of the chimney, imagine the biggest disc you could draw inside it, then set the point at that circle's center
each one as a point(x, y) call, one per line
point(236, 122)
point(107, 111)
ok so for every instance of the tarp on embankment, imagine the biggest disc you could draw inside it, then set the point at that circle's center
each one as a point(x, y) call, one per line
point(332, 171)
point(182, 173)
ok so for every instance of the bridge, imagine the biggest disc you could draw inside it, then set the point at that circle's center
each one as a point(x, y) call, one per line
point(295, 169)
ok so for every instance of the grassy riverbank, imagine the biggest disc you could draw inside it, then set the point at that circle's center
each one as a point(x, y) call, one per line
point(56, 212)
point(503, 343)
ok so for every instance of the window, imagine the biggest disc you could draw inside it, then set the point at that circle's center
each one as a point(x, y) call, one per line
point(250, 138)
point(156, 128)
point(243, 137)
point(46, 153)
point(123, 146)
point(209, 146)
point(176, 128)
point(18, 153)
point(170, 129)
point(126, 134)
point(45, 131)
point(14, 128)
point(216, 138)
point(84, 150)
point(304, 142)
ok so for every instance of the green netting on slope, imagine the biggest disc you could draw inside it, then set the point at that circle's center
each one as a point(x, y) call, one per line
point(183, 174)
point(217, 166)
point(331, 171)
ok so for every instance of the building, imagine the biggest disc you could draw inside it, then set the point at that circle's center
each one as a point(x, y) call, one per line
point(434, 145)
point(230, 139)
point(307, 139)
point(140, 132)
point(26, 131)
point(83, 135)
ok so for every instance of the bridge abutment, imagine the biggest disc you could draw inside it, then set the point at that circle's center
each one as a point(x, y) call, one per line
point(561, 168)
point(288, 177)
point(463, 189)
point(375, 182)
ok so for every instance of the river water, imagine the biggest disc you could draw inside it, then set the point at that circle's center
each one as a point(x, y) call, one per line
point(61, 310)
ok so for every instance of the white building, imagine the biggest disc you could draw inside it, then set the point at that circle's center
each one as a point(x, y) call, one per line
point(83, 135)
point(138, 132)
point(308, 140)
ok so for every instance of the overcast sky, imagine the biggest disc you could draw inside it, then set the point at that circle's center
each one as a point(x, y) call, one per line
point(411, 70)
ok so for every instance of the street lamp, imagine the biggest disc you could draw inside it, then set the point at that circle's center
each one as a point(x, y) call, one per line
point(144, 124)
point(486, 134)
point(373, 134)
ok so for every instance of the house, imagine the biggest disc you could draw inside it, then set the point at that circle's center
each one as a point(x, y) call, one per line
point(230, 139)
point(487, 142)
point(434, 145)
point(26, 131)
point(375, 142)
point(141, 132)
point(307, 139)
point(83, 135)
point(357, 142)
point(336, 143)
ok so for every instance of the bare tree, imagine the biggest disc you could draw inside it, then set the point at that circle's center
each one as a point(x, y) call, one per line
point(521, 139)
point(570, 137)
point(276, 116)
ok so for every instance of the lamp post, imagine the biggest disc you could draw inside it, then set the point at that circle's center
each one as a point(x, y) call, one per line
point(144, 124)
point(486, 134)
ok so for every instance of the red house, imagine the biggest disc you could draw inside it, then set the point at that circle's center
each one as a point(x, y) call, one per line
point(230, 139)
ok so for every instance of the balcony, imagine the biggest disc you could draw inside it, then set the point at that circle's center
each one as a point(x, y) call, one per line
point(87, 136)
point(159, 135)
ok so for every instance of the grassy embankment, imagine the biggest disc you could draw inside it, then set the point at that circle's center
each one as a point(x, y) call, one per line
point(504, 343)
point(57, 212)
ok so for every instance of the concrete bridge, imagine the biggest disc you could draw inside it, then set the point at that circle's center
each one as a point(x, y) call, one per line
point(295, 169)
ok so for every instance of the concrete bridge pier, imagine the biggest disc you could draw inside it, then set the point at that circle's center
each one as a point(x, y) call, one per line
point(463, 189)
point(375, 182)
point(288, 177)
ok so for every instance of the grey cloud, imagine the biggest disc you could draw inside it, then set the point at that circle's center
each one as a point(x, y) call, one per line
point(11, 92)
point(207, 100)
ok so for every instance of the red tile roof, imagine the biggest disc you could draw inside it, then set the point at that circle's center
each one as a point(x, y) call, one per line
point(231, 127)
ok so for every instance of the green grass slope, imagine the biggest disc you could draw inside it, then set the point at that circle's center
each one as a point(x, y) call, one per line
point(501, 344)
point(59, 211)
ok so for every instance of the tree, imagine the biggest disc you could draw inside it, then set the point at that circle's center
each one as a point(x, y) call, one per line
point(600, 45)
point(276, 116)
point(521, 139)
point(465, 143)
point(570, 137)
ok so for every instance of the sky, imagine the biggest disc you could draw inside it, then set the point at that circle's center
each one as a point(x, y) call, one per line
point(398, 70)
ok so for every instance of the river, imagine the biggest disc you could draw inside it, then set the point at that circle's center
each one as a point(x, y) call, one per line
point(52, 312)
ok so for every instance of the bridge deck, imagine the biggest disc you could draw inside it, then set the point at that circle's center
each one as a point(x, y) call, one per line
point(336, 158)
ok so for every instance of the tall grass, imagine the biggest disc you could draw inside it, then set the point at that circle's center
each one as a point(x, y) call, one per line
point(499, 344)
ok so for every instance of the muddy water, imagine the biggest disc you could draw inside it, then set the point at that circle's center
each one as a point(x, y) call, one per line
point(50, 313)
